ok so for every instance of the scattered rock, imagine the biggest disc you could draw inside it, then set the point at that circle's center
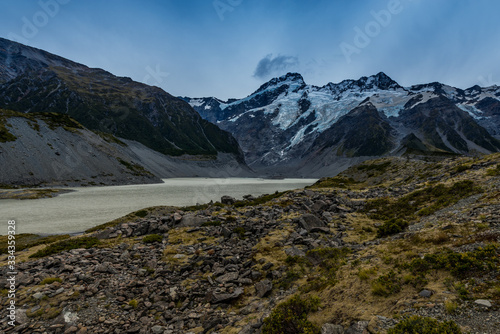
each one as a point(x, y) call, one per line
point(263, 287)
point(294, 251)
point(332, 329)
point(359, 327)
point(191, 220)
point(309, 221)
point(425, 293)
point(483, 302)
point(227, 200)
point(225, 297)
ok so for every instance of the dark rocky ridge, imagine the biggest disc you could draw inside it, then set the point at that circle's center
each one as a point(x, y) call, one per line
point(33, 80)
point(50, 149)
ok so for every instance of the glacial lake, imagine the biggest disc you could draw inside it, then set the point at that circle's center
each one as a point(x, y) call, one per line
point(90, 206)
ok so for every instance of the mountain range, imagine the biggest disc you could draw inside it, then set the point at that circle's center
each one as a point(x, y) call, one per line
point(35, 81)
point(286, 128)
point(292, 128)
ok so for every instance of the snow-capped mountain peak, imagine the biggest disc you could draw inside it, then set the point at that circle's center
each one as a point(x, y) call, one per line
point(290, 79)
point(285, 117)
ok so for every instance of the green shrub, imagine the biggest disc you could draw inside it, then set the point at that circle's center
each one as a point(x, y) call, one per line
point(423, 325)
point(450, 306)
point(230, 219)
point(328, 260)
point(333, 182)
point(50, 280)
point(83, 242)
point(462, 291)
point(461, 265)
point(382, 167)
point(212, 223)
point(134, 303)
point(240, 231)
point(418, 281)
point(141, 213)
point(5, 135)
point(493, 171)
point(290, 317)
point(286, 281)
point(148, 239)
point(386, 285)
point(421, 202)
point(391, 226)
point(291, 260)
point(25, 240)
point(327, 254)
point(136, 169)
point(364, 274)
point(461, 168)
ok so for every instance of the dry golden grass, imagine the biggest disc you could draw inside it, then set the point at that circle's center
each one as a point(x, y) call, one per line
point(270, 248)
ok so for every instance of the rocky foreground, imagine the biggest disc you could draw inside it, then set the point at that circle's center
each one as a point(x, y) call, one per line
point(358, 253)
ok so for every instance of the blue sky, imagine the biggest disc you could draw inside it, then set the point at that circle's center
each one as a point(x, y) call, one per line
point(228, 48)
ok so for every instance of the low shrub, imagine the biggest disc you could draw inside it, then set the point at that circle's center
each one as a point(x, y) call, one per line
point(333, 182)
point(450, 306)
point(421, 202)
point(365, 274)
point(461, 265)
point(386, 285)
point(292, 260)
point(328, 261)
point(83, 242)
point(382, 167)
point(24, 241)
point(240, 231)
point(424, 325)
point(391, 226)
point(493, 171)
point(290, 317)
point(50, 280)
point(287, 280)
point(461, 168)
point(148, 239)
point(212, 223)
point(141, 213)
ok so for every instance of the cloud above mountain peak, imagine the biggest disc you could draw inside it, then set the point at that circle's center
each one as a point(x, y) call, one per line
point(271, 66)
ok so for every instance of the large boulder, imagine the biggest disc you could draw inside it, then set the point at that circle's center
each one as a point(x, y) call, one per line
point(263, 287)
point(226, 297)
point(191, 221)
point(332, 329)
point(227, 200)
point(310, 222)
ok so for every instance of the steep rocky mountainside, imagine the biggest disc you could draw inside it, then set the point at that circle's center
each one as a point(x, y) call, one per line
point(290, 127)
point(52, 149)
point(48, 149)
point(33, 80)
point(389, 246)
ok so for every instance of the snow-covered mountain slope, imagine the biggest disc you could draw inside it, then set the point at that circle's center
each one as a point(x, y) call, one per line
point(285, 120)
